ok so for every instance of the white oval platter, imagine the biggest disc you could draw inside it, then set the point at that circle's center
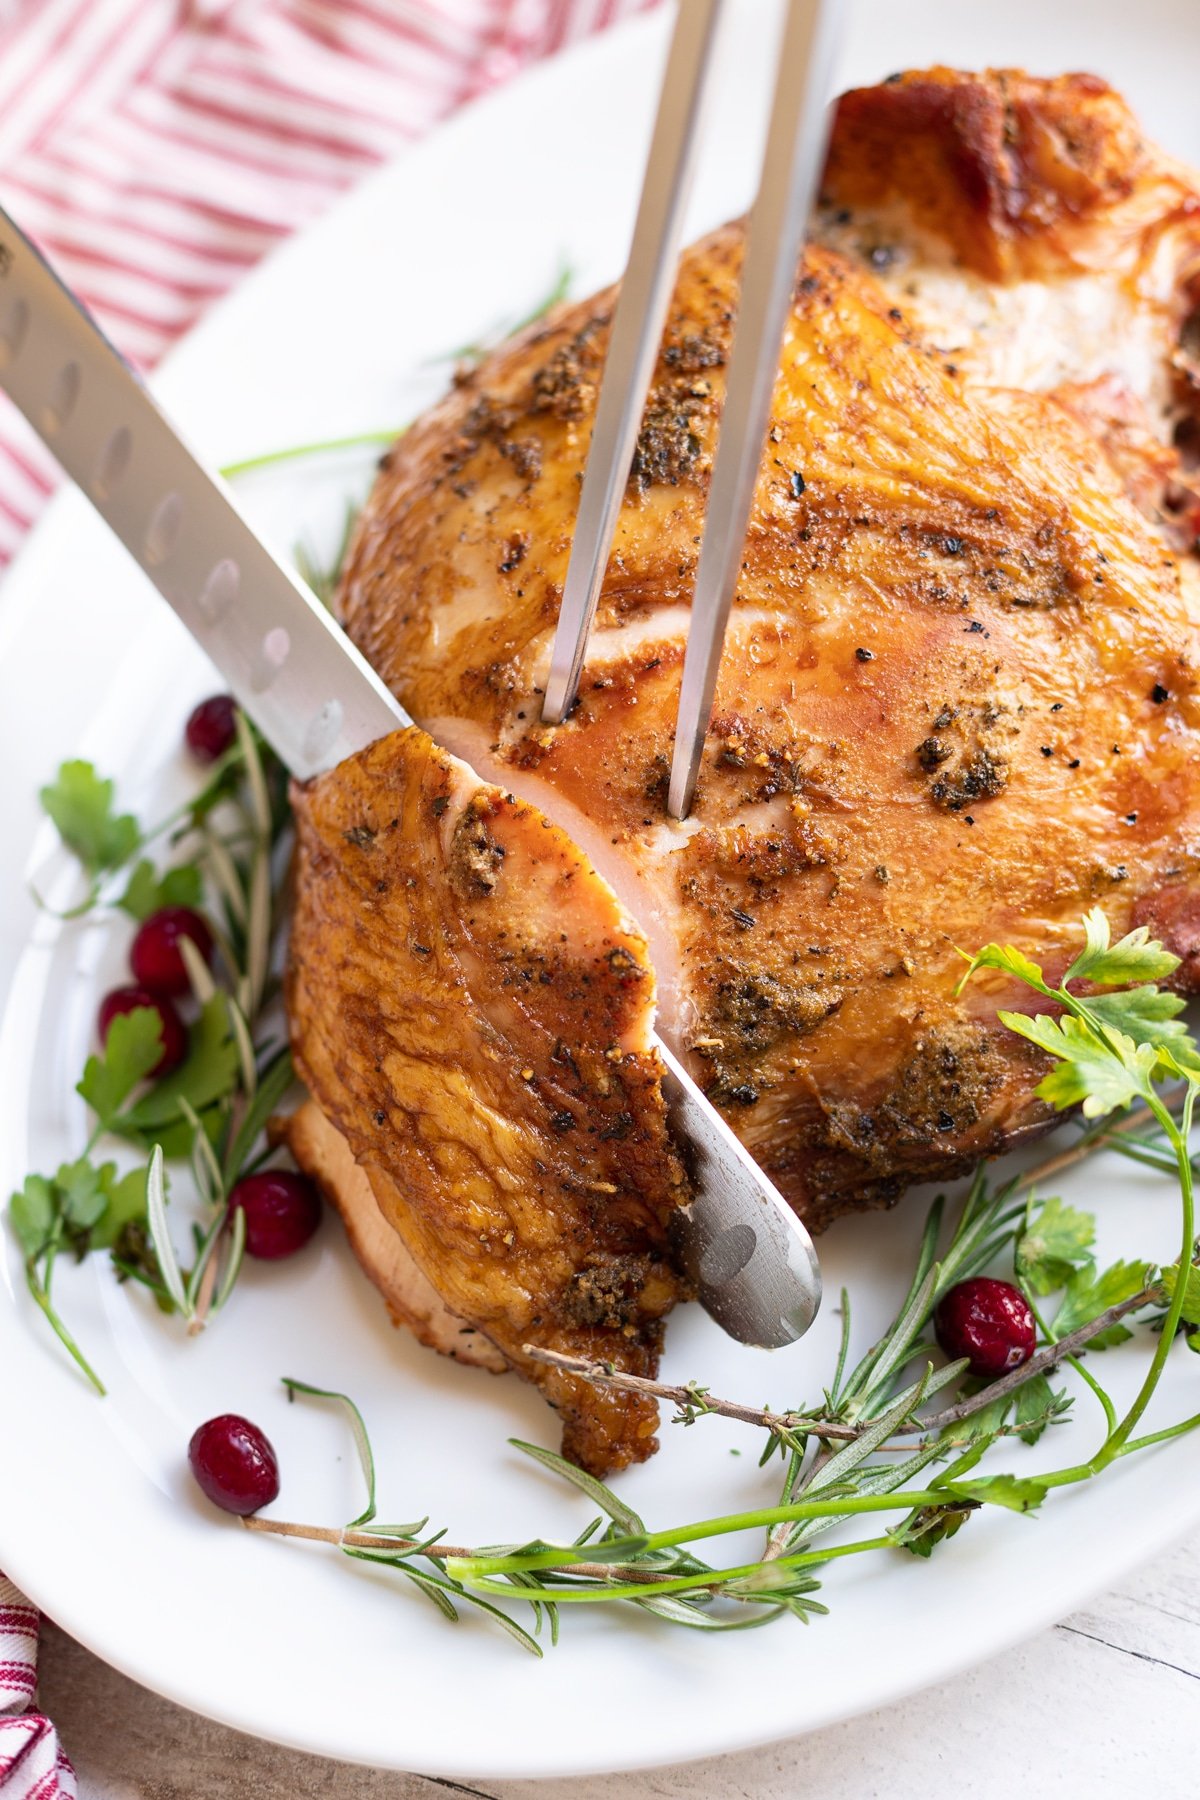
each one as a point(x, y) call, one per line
point(98, 1520)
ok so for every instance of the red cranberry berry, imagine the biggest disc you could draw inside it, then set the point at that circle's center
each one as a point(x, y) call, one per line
point(174, 1032)
point(211, 727)
point(987, 1321)
point(234, 1464)
point(282, 1211)
point(154, 955)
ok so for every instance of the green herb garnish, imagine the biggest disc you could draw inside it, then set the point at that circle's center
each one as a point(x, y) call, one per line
point(211, 1111)
point(895, 1433)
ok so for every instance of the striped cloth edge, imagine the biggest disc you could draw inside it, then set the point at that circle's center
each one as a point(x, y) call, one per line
point(33, 1765)
point(156, 149)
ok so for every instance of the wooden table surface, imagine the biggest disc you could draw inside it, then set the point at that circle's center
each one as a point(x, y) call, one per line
point(1108, 1700)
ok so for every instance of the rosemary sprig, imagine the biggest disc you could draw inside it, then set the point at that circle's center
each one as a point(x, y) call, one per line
point(333, 446)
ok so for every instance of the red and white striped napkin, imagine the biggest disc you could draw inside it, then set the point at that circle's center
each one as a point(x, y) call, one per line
point(156, 149)
point(33, 1765)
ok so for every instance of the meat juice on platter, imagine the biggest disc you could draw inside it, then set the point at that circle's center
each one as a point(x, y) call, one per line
point(958, 702)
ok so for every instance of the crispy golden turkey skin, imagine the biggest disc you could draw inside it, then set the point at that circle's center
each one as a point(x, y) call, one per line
point(958, 699)
point(472, 1010)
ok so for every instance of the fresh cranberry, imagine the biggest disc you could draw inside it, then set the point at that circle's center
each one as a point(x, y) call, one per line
point(154, 955)
point(211, 727)
point(174, 1032)
point(282, 1211)
point(987, 1321)
point(234, 1464)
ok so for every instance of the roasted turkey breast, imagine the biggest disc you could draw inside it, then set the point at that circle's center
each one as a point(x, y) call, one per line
point(958, 701)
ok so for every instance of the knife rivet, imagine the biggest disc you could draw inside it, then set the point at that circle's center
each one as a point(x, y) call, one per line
point(272, 654)
point(220, 590)
point(321, 732)
point(63, 396)
point(12, 332)
point(163, 529)
point(114, 460)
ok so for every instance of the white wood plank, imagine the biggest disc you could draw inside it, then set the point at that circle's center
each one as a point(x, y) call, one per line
point(1115, 1688)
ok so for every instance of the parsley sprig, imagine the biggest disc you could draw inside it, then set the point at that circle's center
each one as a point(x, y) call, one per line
point(109, 845)
point(211, 1112)
point(895, 1433)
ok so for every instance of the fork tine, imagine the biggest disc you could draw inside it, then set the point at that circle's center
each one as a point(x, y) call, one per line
point(796, 141)
point(636, 333)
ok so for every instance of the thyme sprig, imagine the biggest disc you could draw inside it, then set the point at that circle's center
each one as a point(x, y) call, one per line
point(694, 1402)
point(1108, 1050)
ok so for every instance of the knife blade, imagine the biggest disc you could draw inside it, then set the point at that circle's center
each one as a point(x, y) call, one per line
point(317, 700)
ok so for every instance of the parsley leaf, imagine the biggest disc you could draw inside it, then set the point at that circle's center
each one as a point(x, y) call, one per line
point(81, 805)
point(1102, 1073)
point(32, 1213)
point(1182, 1058)
point(83, 1193)
point(979, 1426)
point(1137, 957)
point(126, 1206)
point(210, 1072)
point(1018, 1493)
point(929, 1526)
point(146, 891)
point(1191, 1296)
point(1089, 1294)
point(83, 1207)
point(133, 1047)
point(1147, 1016)
point(1056, 1243)
point(1036, 1405)
point(1010, 961)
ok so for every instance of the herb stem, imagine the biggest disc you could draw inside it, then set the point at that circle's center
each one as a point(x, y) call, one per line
point(475, 1575)
point(266, 459)
point(204, 1292)
point(1096, 1139)
point(1160, 1437)
point(40, 1292)
point(837, 1506)
point(1085, 1374)
point(399, 1549)
point(1177, 1136)
point(604, 1375)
